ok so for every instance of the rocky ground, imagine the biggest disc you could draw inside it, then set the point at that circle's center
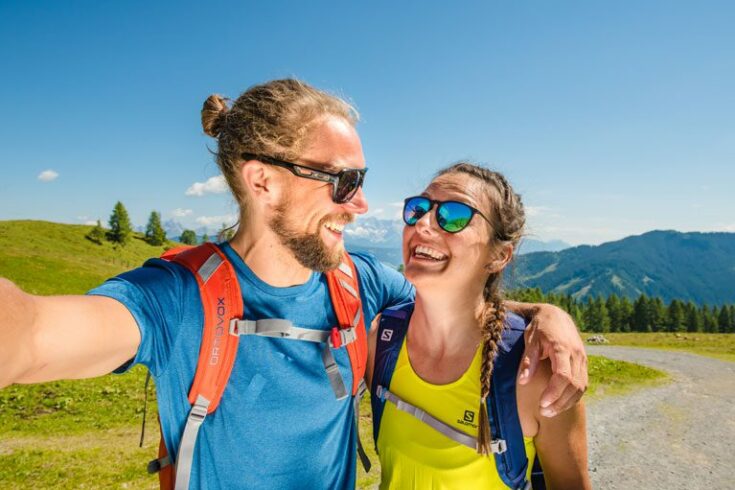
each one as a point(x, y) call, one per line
point(676, 436)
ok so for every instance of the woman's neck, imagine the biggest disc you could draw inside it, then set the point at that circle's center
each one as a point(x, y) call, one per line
point(444, 323)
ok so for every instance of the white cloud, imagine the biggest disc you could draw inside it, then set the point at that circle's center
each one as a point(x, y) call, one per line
point(536, 210)
point(217, 221)
point(181, 213)
point(213, 185)
point(48, 176)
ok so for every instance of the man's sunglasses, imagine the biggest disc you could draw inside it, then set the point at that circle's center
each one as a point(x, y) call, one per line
point(345, 183)
point(451, 216)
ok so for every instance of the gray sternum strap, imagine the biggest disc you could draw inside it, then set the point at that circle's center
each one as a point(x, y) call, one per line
point(284, 329)
point(184, 458)
point(497, 446)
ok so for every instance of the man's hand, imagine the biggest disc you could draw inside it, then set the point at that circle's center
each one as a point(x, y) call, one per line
point(552, 334)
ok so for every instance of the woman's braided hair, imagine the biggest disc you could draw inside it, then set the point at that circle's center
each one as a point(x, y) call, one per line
point(507, 219)
point(273, 119)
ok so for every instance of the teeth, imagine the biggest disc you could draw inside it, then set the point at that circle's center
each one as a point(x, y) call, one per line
point(335, 227)
point(429, 252)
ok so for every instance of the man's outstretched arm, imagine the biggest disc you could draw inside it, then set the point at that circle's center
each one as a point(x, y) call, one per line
point(43, 338)
point(552, 334)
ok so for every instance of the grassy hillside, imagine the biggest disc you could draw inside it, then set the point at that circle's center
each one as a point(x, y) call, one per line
point(54, 258)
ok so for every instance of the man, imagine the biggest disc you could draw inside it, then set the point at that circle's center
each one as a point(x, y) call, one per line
point(293, 160)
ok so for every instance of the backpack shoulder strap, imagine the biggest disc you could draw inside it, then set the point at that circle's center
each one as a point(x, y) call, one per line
point(512, 464)
point(392, 330)
point(344, 291)
point(221, 302)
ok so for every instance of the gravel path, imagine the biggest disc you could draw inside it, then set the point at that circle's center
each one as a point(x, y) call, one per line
point(676, 436)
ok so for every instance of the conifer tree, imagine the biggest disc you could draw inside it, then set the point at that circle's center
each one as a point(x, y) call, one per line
point(723, 320)
point(154, 232)
point(675, 317)
point(615, 313)
point(641, 315)
point(120, 227)
point(205, 238)
point(188, 237)
point(693, 318)
point(626, 315)
point(96, 234)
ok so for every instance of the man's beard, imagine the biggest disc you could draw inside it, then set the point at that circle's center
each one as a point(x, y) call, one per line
point(308, 248)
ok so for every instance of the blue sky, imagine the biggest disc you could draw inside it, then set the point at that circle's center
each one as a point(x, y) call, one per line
point(610, 118)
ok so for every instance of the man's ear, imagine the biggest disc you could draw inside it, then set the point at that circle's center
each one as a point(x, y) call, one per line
point(261, 182)
point(502, 257)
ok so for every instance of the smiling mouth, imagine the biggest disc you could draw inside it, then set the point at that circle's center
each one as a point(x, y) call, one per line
point(335, 227)
point(427, 253)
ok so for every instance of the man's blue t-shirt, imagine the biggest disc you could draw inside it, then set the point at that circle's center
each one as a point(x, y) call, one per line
point(279, 424)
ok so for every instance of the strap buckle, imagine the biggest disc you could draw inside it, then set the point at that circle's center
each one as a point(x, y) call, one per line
point(498, 446)
point(341, 336)
point(381, 392)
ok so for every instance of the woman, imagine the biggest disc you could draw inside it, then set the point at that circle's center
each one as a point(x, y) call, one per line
point(431, 402)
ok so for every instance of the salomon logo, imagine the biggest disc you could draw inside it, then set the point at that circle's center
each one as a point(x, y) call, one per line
point(386, 335)
point(469, 419)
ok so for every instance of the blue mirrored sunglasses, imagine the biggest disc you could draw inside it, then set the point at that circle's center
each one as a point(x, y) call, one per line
point(451, 216)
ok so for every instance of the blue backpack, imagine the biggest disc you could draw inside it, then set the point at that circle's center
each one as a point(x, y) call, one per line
point(505, 426)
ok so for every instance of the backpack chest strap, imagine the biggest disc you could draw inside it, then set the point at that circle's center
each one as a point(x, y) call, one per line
point(284, 329)
point(498, 446)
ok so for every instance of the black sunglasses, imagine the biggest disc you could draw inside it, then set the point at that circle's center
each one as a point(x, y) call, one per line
point(451, 216)
point(345, 183)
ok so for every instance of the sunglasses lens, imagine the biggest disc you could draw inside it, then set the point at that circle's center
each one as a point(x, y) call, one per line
point(414, 208)
point(453, 216)
point(348, 184)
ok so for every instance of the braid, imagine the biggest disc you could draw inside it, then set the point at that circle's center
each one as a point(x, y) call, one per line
point(507, 219)
point(491, 329)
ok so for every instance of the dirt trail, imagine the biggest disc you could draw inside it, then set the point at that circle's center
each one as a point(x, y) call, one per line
point(676, 436)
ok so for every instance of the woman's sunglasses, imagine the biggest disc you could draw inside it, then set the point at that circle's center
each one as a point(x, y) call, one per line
point(451, 216)
point(345, 183)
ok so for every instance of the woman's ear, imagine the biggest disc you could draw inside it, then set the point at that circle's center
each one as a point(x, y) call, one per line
point(502, 257)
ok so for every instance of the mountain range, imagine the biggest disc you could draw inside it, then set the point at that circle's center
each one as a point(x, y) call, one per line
point(668, 264)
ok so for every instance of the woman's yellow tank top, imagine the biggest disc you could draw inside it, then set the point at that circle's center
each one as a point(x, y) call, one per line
point(415, 456)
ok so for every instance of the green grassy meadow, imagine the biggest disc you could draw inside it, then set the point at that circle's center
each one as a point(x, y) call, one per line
point(53, 258)
point(84, 434)
point(717, 345)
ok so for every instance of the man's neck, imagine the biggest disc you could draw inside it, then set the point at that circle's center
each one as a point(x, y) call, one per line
point(264, 254)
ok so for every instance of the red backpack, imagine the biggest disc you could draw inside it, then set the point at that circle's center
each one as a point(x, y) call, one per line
point(223, 326)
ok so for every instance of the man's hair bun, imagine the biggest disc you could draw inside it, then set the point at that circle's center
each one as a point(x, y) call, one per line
point(214, 112)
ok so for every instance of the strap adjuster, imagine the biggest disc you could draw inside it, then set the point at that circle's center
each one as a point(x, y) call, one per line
point(341, 336)
point(498, 446)
point(381, 392)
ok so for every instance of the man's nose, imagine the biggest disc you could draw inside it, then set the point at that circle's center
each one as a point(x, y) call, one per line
point(358, 204)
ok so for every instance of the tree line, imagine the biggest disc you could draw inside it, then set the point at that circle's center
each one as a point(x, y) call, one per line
point(644, 314)
point(120, 230)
